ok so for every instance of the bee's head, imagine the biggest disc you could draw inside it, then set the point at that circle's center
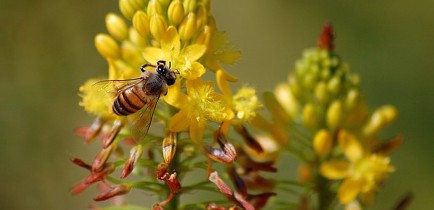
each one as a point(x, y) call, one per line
point(166, 72)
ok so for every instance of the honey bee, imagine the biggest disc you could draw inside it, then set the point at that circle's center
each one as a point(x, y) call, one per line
point(137, 98)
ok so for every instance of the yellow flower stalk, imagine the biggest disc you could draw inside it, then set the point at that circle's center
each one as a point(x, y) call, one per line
point(322, 96)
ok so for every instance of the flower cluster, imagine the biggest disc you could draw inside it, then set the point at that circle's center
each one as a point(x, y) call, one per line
point(183, 34)
point(318, 115)
point(322, 99)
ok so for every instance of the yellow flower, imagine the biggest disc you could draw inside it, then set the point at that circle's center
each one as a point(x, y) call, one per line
point(245, 103)
point(93, 101)
point(361, 174)
point(201, 104)
point(182, 59)
point(220, 50)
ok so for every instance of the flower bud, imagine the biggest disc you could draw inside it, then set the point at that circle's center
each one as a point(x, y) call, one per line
point(176, 12)
point(204, 36)
point(136, 38)
point(190, 6)
point(116, 26)
point(121, 189)
point(380, 119)
point(164, 3)
point(201, 17)
point(322, 143)
point(141, 23)
point(169, 147)
point(154, 8)
point(132, 54)
point(188, 27)
point(277, 111)
point(129, 7)
point(334, 115)
point(352, 99)
point(135, 154)
point(287, 99)
point(223, 187)
point(101, 158)
point(158, 27)
point(334, 85)
point(107, 46)
point(108, 140)
point(321, 92)
point(309, 116)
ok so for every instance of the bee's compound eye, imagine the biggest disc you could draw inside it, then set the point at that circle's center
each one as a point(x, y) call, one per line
point(161, 69)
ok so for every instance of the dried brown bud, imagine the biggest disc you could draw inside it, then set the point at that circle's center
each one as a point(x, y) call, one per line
point(118, 190)
point(108, 140)
point(102, 158)
point(81, 163)
point(169, 147)
point(135, 154)
point(226, 153)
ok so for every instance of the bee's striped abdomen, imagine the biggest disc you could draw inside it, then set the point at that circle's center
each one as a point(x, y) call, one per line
point(129, 101)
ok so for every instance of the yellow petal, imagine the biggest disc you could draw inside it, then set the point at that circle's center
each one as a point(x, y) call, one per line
point(179, 122)
point(223, 84)
point(171, 42)
point(335, 169)
point(194, 71)
point(194, 52)
point(349, 190)
point(193, 85)
point(174, 95)
point(197, 129)
point(229, 57)
point(350, 145)
point(153, 54)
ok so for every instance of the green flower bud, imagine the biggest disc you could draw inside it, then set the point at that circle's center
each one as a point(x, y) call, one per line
point(352, 99)
point(321, 92)
point(334, 85)
point(116, 26)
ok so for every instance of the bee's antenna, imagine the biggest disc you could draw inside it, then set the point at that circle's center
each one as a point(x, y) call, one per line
point(170, 64)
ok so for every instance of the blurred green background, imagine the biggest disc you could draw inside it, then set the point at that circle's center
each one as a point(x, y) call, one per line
point(47, 52)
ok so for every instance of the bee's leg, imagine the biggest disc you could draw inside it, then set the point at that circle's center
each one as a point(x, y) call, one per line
point(143, 67)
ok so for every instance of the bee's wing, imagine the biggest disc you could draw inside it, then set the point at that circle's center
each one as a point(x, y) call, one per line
point(115, 87)
point(140, 121)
